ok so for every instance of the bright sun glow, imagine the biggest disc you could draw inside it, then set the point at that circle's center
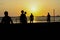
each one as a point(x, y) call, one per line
point(33, 9)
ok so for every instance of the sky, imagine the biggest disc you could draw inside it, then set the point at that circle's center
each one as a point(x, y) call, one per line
point(36, 7)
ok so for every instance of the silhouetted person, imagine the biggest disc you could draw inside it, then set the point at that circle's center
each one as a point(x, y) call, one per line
point(48, 17)
point(6, 19)
point(23, 18)
point(31, 18)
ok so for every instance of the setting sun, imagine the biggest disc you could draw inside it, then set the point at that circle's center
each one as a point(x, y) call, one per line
point(33, 9)
point(37, 7)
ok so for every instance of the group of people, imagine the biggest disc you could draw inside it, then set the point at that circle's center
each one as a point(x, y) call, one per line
point(23, 18)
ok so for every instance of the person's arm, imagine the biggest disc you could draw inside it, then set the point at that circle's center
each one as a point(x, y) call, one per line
point(33, 17)
point(2, 20)
point(11, 21)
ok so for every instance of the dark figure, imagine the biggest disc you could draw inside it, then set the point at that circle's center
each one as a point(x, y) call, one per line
point(6, 19)
point(31, 18)
point(48, 17)
point(23, 18)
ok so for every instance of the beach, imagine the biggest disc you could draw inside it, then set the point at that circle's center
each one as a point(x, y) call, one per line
point(34, 27)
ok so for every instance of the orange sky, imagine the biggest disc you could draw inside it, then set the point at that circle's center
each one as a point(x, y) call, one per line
point(37, 7)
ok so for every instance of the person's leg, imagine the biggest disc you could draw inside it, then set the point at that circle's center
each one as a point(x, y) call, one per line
point(30, 21)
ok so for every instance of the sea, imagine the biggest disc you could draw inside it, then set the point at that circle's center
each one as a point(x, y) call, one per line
point(37, 19)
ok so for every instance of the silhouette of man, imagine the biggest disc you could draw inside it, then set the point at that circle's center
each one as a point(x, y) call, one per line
point(31, 18)
point(48, 17)
point(23, 18)
point(6, 19)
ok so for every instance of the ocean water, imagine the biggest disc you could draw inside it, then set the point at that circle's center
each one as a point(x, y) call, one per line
point(37, 19)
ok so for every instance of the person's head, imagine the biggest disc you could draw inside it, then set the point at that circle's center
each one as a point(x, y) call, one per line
point(6, 13)
point(22, 11)
point(48, 13)
point(25, 12)
point(31, 14)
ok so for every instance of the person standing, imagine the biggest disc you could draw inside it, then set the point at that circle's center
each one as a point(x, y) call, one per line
point(48, 17)
point(6, 19)
point(23, 18)
point(31, 18)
